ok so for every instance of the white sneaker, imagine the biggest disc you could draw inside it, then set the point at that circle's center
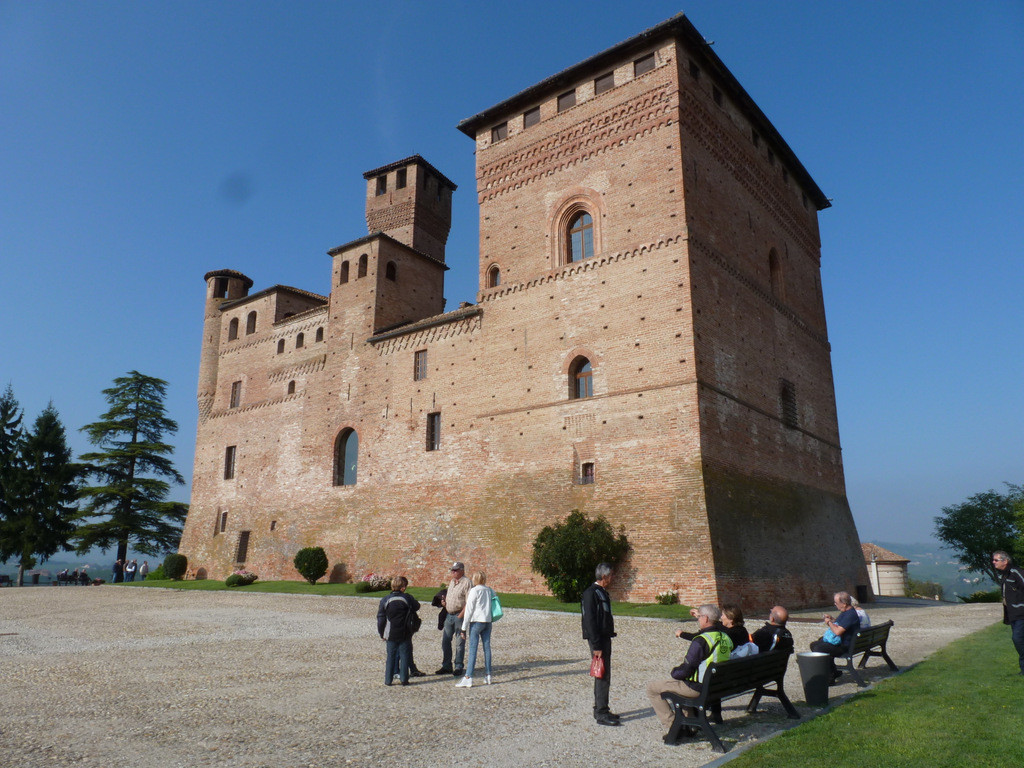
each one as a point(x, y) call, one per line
point(488, 680)
point(466, 682)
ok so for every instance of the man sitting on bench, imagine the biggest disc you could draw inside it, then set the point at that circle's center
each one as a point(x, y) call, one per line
point(838, 632)
point(774, 636)
point(710, 644)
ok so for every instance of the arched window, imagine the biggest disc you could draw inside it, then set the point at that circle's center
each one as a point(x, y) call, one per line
point(363, 261)
point(291, 387)
point(319, 334)
point(250, 323)
point(280, 346)
point(775, 275)
point(343, 278)
point(580, 238)
point(300, 340)
point(233, 329)
point(391, 271)
point(346, 457)
point(494, 277)
point(581, 379)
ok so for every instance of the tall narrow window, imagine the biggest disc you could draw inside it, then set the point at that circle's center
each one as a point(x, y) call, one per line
point(401, 178)
point(300, 340)
point(787, 403)
point(223, 521)
point(580, 238)
point(581, 379)
point(229, 462)
point(382, 185)
point(566, 100)
point(433, 431)
point(494, 276)
point(319, 335)
point(220, 287)
point(243, 547)
point(250, 323)
point(346, 457)
point(604, 83)
point(363, 261)
point(391, 271)
point(419, 365)
point(280, 346)
point(775, 275)
point(233, 329)
point(291, 387)
point(531, 117)
point(343, 274)
point(236, 394)
point(643, 64)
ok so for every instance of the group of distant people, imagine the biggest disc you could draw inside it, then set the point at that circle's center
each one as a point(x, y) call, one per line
point(76, 576)
point(127, 570)
point(466, 613)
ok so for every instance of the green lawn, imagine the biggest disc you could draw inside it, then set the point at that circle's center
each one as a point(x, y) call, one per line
point(423, 594)
point(961, 707)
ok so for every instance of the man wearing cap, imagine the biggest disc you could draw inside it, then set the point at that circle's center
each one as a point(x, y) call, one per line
point(454, 602)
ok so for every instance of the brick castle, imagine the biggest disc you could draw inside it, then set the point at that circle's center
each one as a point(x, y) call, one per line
point(648, 344)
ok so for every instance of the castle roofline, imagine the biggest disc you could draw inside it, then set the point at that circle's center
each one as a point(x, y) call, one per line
point(448, 317)
point(408, 161)
point(272, 289)
point(366, 238)
point(680, 28)
point(229, 273)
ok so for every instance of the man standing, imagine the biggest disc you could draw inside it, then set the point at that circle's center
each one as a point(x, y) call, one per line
point(598, 630)
point(839, 631)
point(1011, 580)
point(709, 645)
point(454, 602)
point(774, 636)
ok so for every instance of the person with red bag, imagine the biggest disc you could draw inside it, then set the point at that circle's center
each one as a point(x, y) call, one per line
point(598, 630)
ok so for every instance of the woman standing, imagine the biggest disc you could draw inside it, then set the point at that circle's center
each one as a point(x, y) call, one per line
point(477, 621)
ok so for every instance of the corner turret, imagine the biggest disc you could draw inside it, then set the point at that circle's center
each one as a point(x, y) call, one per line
point(222, 285)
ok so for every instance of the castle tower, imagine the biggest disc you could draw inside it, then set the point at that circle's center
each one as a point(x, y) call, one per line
point(411, 201)
point(222, 285)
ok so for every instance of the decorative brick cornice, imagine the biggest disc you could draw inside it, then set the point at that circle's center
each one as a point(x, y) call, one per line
point(419, 338)
point(223, 412)
point(291, 371)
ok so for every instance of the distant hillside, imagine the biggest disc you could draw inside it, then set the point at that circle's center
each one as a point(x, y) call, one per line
point(929, 562)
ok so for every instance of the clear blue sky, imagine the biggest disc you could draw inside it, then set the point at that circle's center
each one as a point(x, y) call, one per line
point(143, 144)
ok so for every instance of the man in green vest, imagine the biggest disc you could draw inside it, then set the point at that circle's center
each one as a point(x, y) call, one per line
point(710, 644)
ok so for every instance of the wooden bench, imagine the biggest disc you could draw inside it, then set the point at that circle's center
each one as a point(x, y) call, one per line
point(869, 641)
point(724, 680)
point(5, 580)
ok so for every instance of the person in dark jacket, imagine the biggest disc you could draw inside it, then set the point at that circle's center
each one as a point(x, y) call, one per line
point(396, 622)
point(1011, 581)
point(774, 636)
point(598, 630)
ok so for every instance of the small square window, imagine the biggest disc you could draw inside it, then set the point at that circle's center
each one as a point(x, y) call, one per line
point(643, 64)
point(694, 70)
point(401, 178)
point(229, 462)
point(433, 431)
point(604, 83)
point(499, 132)
point(382, 185)
point(587, 473)
point(567, 100)
point(419, 370)
point(531, 117)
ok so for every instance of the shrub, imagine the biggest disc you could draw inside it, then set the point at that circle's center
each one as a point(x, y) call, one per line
point(240, 578)
point(374, 583)
point(667, 598)
point(311, 563)
point(175, 566)
point(157, 574)
point(995, 596)
point(566, 553)
point(928, 589)
point(362, 586)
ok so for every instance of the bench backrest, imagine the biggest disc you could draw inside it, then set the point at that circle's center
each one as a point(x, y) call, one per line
point(867, 637)
point(725, 678)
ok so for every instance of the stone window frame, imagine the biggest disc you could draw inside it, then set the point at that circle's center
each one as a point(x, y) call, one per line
point(578, 201)
point(493, 279)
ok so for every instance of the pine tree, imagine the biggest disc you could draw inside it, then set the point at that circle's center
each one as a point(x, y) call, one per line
point(131, 496)
point(12, 470)
point(45, 492)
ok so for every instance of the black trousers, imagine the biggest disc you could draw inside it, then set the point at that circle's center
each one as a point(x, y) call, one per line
point(602, 684)
point(820, 646)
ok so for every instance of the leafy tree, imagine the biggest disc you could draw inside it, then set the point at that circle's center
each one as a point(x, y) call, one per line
point(975, 528)
point(39, 487)
point(567, 553)
point(130, 494)
point(175, 566)
point(311, 563)
point(925, 588)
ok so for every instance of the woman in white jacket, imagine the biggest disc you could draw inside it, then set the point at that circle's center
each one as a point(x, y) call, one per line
point(477, 622)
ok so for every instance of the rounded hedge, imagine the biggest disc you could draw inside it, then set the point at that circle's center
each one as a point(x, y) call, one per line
point(311, 563)
point(175, 566)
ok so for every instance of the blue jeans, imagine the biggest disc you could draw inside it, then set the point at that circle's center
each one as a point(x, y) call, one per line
point(479, 630)
point(1017, 634)
point(399, 653)
point(452, 629)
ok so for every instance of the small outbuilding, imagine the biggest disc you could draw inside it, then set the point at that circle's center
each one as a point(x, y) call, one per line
point(887, 571)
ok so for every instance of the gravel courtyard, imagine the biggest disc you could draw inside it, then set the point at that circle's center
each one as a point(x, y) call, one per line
point(106, 676)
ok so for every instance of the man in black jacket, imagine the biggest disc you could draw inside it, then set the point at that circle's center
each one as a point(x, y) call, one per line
point(598, 630)
point(1012, 583)
point(396, 622)
point(774, 635)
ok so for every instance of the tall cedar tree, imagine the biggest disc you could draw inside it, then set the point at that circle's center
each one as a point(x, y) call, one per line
point(11, 440)
point(987, 521)
point(41, 523)
point(131, 496)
